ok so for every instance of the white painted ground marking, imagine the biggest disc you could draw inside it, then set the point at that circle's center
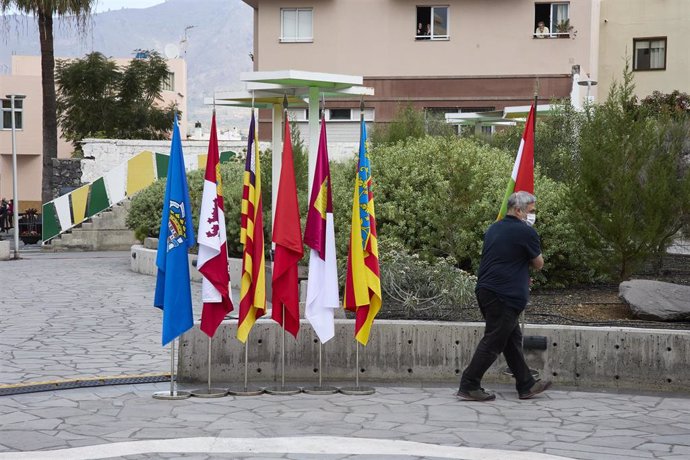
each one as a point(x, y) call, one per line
point(287, 445)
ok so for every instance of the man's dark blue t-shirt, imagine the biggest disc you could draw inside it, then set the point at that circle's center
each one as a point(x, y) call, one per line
point(509, 245)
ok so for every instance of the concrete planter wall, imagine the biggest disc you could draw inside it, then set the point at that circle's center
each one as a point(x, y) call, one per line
point(409, 352)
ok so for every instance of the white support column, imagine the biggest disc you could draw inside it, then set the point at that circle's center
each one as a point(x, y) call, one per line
point(313, 135)
point(277, 148)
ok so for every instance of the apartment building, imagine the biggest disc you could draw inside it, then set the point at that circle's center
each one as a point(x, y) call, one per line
point(459, 55)
point(25, 79)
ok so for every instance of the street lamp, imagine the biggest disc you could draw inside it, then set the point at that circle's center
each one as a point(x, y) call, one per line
point(588, 83)
point(15, 196)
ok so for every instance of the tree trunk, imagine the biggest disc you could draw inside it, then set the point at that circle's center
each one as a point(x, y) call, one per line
point(45, 30)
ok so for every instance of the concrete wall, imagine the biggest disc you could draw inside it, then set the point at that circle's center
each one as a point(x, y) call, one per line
point(413, 351)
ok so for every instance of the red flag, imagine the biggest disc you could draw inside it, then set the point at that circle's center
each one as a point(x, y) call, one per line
point(287, 235)
point(522, 177)
point(213, 250)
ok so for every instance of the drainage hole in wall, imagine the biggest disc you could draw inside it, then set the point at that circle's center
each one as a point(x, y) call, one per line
point(616, 347)
point(457, 371)
point(555, 344)
point(577, 375)
point(316, 340)
point(668, 349)
point(577, 345)
point(316, 369)
point(259, 341)
point(409, 371)
point(555, 374)
point(258, 370)
point(616, 377)
point(669, 380)
point(457, 342)
point(409, 342)
point(362, 370)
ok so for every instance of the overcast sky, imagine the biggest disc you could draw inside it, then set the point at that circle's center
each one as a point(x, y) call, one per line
point(105, 5)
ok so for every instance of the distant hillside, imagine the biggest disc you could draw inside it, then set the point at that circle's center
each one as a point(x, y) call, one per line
point(217, 50)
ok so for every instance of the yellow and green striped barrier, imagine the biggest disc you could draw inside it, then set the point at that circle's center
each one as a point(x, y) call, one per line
point(125, 180)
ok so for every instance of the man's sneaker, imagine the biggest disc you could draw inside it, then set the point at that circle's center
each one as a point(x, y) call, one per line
point(476, 395)
point(539, 387)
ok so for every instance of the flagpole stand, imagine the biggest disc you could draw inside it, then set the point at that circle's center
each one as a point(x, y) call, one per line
point(174, 393)
point(357, 390)
point(209, 392)
point(282, 389)
point(245, 390)
point(320, 389)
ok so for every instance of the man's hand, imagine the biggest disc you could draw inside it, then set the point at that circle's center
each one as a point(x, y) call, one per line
point(537, 263)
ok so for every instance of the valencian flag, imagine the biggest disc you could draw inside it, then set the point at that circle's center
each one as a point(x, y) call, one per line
point(253, 289)
point(287, 235)
point(213, 249)
point(522, 177)
point(363, 282)
point(173, 291)
point(319, 235)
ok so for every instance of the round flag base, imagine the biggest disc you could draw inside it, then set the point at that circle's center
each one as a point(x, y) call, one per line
point(245, 391)
point(172, 395)
point(209, 393)
point(320, 390)
point(358, 391)
point(534, 372)
point(283, 390)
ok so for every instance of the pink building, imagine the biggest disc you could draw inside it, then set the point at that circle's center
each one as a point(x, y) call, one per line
point(25, 79)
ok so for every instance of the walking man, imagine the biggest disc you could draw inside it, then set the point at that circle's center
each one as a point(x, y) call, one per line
point(511, 247)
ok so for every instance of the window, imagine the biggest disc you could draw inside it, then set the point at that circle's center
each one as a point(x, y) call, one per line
point(169, 82)
point(649, 54)
point(555, 17)
point(340, 114)
point(6, 120)
point(296, 25)
point(432, 23)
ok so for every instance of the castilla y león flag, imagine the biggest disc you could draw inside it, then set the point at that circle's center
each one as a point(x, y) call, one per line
point(287, 236)
point(363, 282)
point(522, 177)
point(213, 250)
point(319, 235)
point(253, 289)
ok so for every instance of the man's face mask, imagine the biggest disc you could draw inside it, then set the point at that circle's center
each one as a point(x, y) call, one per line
point(531, 219)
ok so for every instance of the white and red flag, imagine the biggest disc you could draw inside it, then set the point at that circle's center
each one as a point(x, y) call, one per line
point(213, 250)
point(319, 235)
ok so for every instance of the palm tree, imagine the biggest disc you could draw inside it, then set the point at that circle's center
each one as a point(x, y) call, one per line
point(44, 11)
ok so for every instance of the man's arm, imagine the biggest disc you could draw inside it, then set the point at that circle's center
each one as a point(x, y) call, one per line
point(537, 263)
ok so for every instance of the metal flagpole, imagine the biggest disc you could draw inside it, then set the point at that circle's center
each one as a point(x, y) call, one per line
point(173, 393)
point(282, 389)
point(321, 389)
point(209, 392)
point(245, 390)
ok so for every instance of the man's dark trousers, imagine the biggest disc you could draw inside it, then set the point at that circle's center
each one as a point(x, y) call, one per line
point(501, 335)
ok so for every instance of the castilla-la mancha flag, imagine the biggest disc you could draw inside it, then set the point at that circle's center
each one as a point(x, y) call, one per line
point(253, 289)
point(319, 235)
point(363, 282)
point(522, 177)
point(287, 236)
point(213, 249)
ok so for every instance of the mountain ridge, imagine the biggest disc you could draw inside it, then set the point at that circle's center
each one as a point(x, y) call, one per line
point(217, 45)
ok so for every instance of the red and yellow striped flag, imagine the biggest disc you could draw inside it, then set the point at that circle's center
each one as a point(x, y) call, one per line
point(363, 283)
point(253, 289)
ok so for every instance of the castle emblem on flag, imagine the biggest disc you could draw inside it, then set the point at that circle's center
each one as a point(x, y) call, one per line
point(176, 225)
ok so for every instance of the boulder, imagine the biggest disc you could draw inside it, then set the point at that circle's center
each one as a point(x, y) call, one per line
point(656, 300)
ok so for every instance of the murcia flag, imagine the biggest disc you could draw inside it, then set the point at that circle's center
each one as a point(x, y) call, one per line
point(287, 235)
point(319, 235)
point(522, 177)
point(363, 282)
point(173, 290)
point(213, 250)
point(253, 289)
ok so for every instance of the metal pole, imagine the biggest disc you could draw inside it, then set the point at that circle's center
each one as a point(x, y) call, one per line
point(320, 365)
point(282, 378)
point(246, 354)
point(15, 195)
point(357, 365)
point(172, 368)
point(209, 364)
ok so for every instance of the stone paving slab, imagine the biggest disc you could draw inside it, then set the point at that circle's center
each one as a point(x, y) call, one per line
point(107, 417)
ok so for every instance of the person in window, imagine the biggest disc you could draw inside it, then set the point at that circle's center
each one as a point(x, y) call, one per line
point(420, 29)
point(541, 31)
point(427, 30)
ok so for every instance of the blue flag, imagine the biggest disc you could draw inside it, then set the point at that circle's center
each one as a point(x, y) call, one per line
point(173, 289)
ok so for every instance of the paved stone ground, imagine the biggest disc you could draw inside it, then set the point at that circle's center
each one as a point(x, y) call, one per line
point(77, 315)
